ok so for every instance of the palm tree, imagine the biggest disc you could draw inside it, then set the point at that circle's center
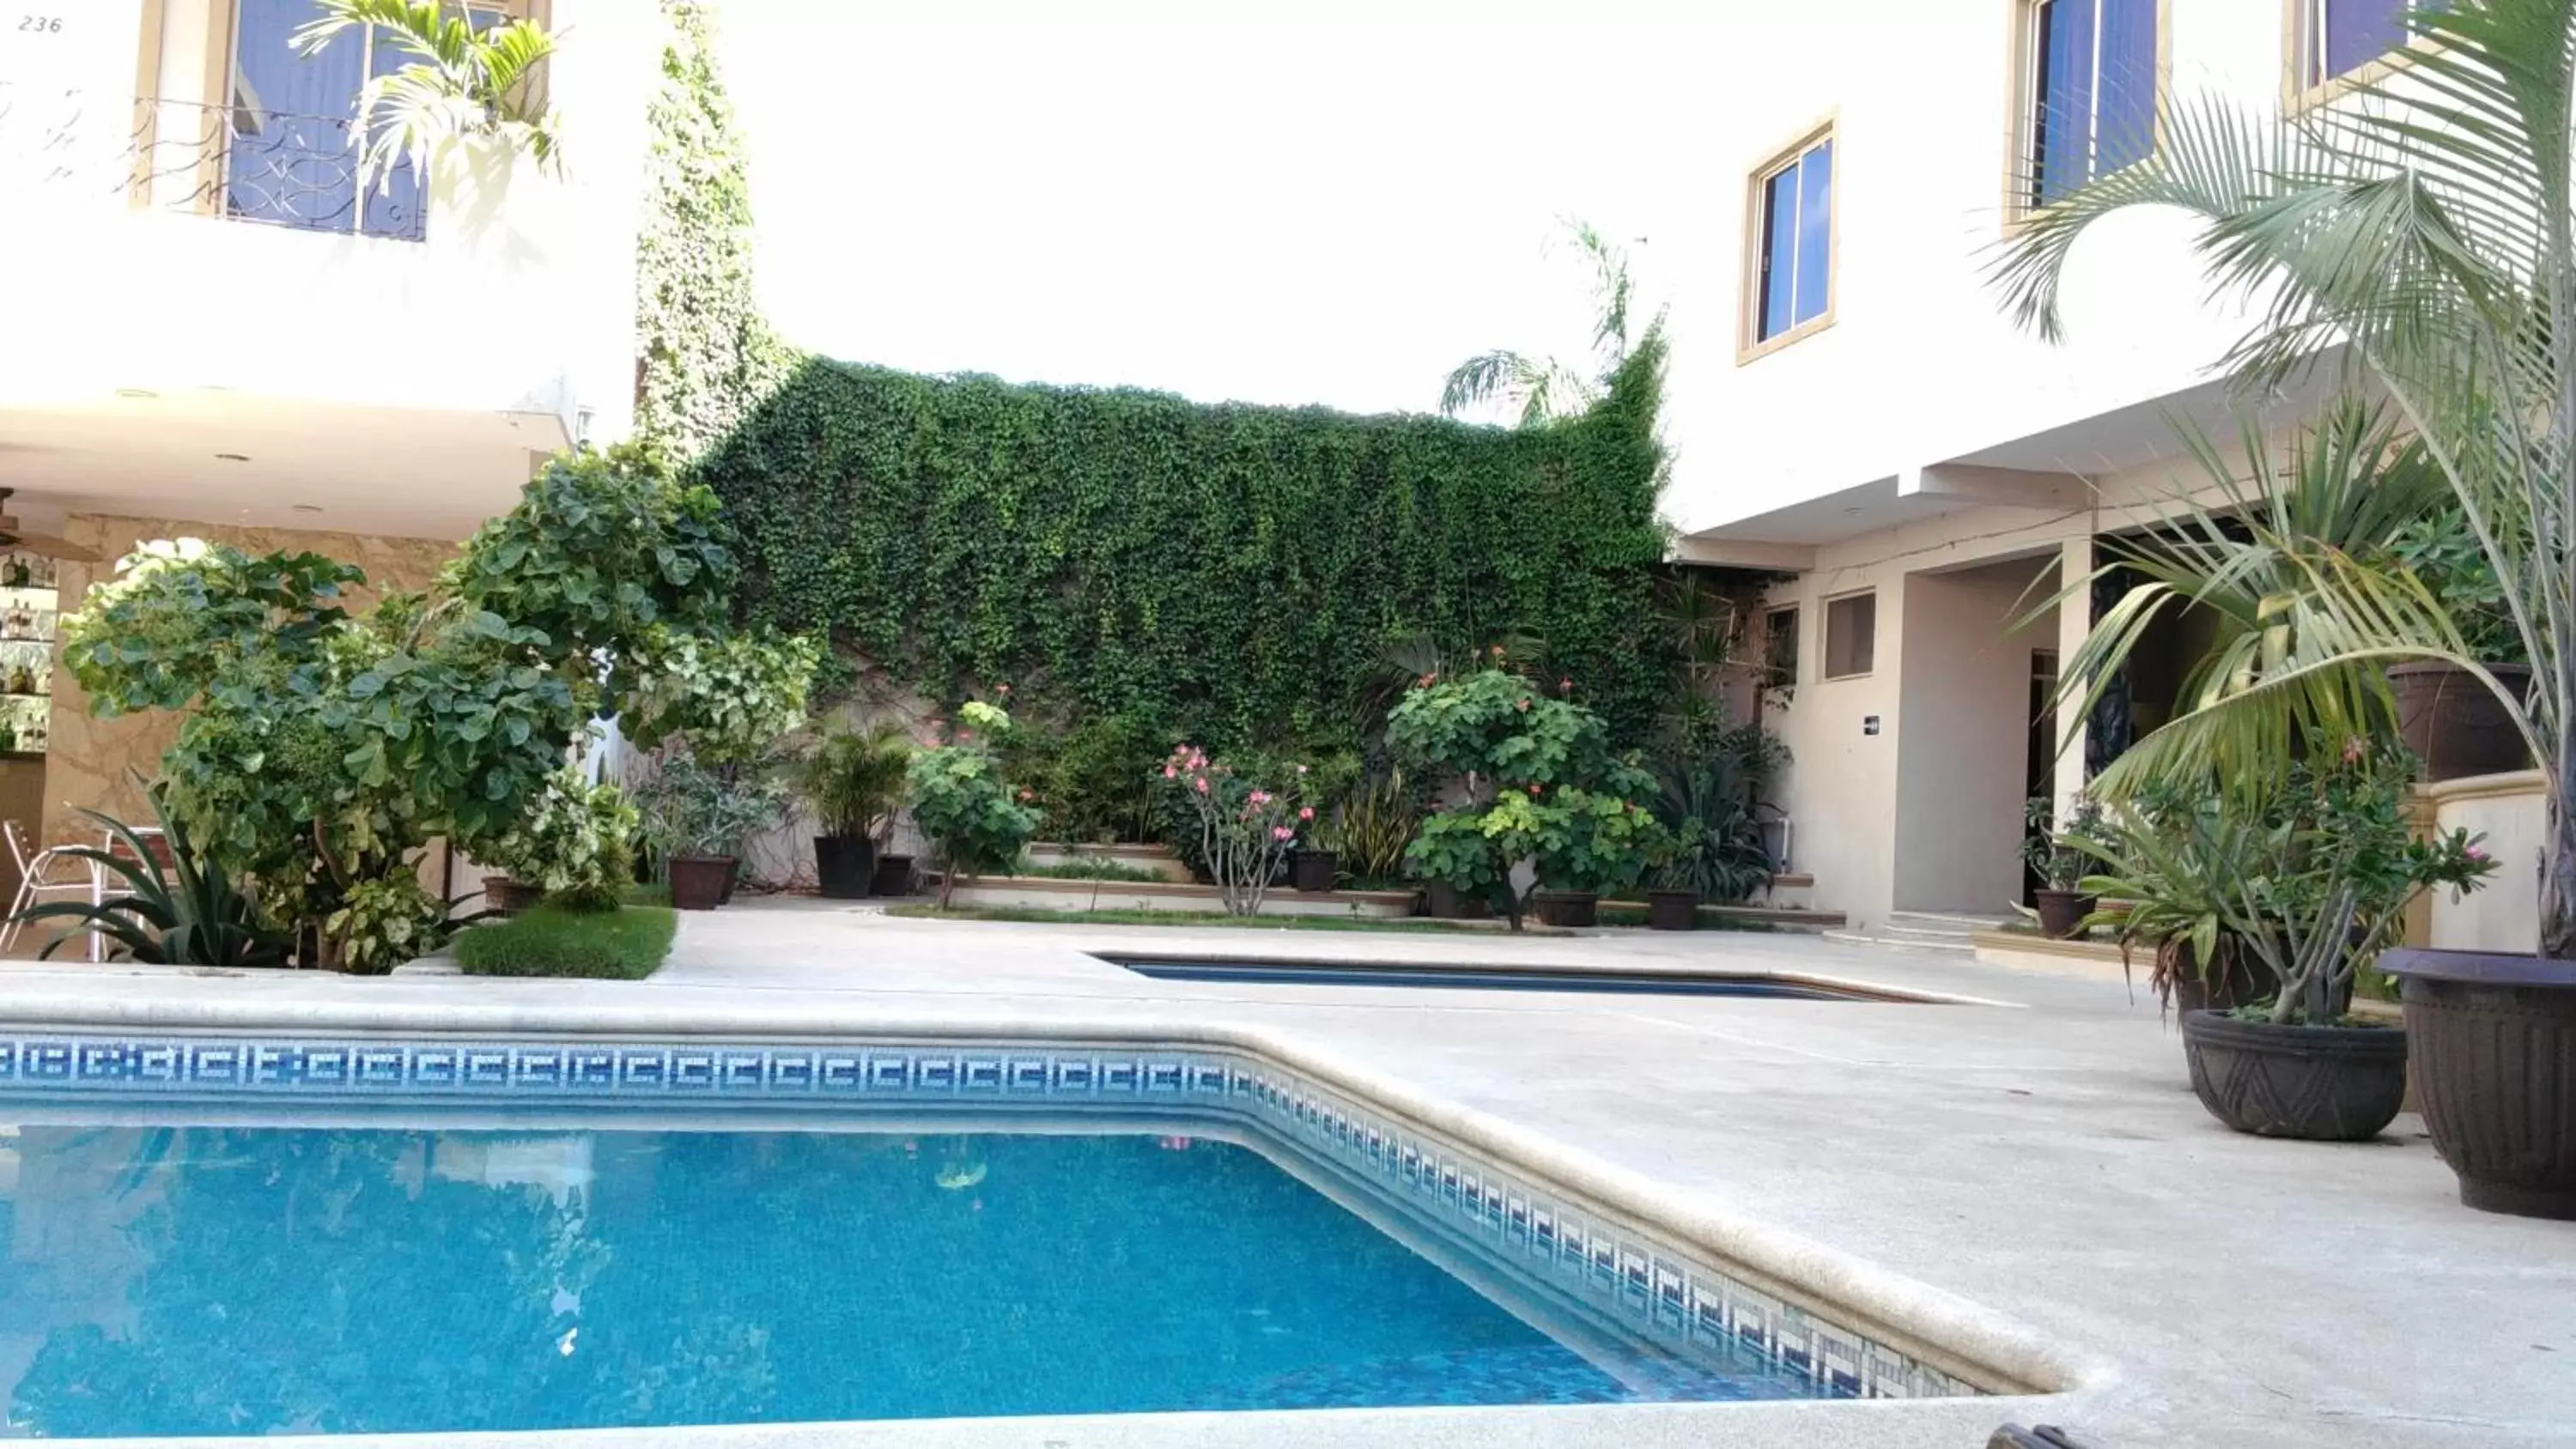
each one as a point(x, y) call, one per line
point(1543, 388)
point(463, 83)
point(2416, 236)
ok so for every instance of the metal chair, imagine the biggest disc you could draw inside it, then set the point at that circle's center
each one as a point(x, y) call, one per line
point(39, 875)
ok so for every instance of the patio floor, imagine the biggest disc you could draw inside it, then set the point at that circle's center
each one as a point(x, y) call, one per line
point(2041, 1156)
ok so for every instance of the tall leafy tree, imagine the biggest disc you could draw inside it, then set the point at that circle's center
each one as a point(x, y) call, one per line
point(2417, 237)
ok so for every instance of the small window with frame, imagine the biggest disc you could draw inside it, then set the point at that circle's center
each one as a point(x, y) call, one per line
point(1789, 245)
point(2335, 44)
point(1851, 635)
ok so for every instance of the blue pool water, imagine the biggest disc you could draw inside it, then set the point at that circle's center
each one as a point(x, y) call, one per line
point(198, 1280)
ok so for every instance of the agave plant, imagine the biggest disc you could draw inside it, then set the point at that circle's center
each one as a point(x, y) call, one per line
point(189, 915)
point(2418, 236)
point(463, 83)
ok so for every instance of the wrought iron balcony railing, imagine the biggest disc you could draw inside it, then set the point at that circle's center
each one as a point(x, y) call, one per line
point(239, 162)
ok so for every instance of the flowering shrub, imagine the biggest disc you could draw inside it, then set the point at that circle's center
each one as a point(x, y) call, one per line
point(973, 819)
point(1245, 827)
point(576, 843)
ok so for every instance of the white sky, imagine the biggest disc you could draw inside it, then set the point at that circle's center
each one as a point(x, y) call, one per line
point(1294, 201)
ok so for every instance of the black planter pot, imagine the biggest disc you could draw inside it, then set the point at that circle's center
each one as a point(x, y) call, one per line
point(508, 896)
point(845, 866)
point(1442, 901)
point(1314, 870)
point(1567, 909)
point(2316, 1083)
point(2454, 723)
point(732, 878)
point(1672, 910)
point(2242, 983)
point(2060, 912)
point(2495, 1070)
point(701, 882)
point(893, 876)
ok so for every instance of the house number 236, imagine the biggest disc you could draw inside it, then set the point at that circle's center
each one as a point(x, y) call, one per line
point(41, 24)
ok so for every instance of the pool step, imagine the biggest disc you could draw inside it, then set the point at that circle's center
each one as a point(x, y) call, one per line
point(1938, 932)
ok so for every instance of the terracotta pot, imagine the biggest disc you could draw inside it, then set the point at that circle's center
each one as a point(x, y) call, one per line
point(1672, 910)
point(1572, 910)
point(2495, 1071)
point(509, 896)
point(2062, 912)
point(2317, 1083)
point(1314, 870)
point(844, 865)
point(701, 882)
point(2454, 723)
point(893, 876)
point(1444, 902)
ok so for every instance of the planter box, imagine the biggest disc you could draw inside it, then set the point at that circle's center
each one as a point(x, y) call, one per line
point(1123, 895)
point(1159, 859)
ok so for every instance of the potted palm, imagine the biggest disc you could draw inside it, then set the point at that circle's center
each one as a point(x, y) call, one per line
point(2415, 242)
point(853, 780)
point(2058, 858)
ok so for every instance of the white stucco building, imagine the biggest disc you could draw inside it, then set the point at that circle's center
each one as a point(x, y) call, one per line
point(1921, 471)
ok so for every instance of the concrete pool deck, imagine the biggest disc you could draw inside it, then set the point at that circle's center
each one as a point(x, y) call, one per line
point(2041, 1158)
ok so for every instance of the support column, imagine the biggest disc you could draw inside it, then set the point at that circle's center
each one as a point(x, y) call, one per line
point(2074, 622)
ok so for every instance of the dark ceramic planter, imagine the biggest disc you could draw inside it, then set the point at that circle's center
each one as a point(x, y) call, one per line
point(1672, 910)
point(845, 866)
point(1443, 901)
point(509, 896)
point(2242, 984)
point(1314, 870)
point(701, 882)
point(2495, 1071)
point(2316, 1083)
point(1566, 909)
point(893, 876)
point(2062, 912)
point(2454, 723)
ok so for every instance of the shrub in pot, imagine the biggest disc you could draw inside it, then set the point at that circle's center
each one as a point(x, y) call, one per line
point(697, 816)
point(2057, 857)
point(1591, 843)
point(575, 845)
point(973, 819)
point(1712, 806)
point(2463, 351)
point(853, 780)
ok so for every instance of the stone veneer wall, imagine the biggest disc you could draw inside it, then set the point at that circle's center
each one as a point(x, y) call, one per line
point(89, 762)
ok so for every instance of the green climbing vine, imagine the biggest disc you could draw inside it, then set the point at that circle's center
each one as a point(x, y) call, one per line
point(1231, 573)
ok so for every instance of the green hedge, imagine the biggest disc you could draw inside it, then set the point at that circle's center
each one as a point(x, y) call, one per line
point(1237, 572)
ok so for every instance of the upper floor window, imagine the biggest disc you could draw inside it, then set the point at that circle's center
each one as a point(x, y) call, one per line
point(2089, 75)
point(1790, 291)
point(2334, 38)
point(291, 133)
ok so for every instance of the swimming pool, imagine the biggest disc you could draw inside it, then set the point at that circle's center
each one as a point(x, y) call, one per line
point(1505, 978)
point(234, 1236)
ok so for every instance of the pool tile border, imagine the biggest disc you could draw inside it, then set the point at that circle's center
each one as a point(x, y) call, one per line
point(1671, 1297)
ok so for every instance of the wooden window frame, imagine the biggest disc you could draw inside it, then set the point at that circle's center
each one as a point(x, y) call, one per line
point(1825, 636)
point(2021, 99)
point(1749, 341)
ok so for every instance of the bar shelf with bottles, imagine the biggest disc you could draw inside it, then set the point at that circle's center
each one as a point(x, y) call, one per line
point(30, 608)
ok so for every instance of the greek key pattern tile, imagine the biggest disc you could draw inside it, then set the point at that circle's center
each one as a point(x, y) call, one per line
point(1691, 1307)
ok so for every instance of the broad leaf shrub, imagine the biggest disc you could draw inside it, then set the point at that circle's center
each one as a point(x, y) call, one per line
point(1223, 573)
point(975, 821)
point(321, 750)
point(576, 842)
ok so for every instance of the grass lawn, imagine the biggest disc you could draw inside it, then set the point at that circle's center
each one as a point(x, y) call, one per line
point(625, 944)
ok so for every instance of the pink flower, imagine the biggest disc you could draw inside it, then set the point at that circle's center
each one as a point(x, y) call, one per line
point(1260, 797)
point(1565, 686)
point(1171, 772)
point(2354, 749)
point(2477, 855)
point(1001, 689)
point(1028, 795)
point(1305, 812)
point(1281, 832)
point(1534, 789)
point(1524, 704)
point(1201, 783)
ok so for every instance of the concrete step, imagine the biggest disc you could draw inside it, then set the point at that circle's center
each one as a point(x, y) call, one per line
point(1956, 923)
point(1929, 945)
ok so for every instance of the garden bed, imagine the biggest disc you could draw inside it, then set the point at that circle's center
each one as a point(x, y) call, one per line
point(626, 944)
point(1046, 893)
point(1158, 859)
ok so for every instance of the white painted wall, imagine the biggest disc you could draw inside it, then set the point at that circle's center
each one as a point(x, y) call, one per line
point(521, 299)
point(1920, 365)
point(1964, 751)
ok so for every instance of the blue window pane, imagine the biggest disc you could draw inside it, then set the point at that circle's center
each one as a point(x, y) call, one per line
point(2062, 139)
point(1779, 253)
point(2359, 32)
point(392, 205)
point(2124, 128)
point(289, 156)
point(1815, 231)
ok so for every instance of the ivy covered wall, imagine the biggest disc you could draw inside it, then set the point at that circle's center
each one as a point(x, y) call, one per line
point(1239, 573)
